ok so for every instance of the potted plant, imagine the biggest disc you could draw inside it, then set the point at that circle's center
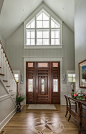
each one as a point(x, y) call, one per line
point(19, 99)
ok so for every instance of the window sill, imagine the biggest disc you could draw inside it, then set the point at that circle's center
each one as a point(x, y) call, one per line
point(42, 47)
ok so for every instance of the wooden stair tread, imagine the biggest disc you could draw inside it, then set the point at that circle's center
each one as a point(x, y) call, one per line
point(12, 94)
point(10, 90)
point(7, 86)
point(2, 74)
point(5, 80)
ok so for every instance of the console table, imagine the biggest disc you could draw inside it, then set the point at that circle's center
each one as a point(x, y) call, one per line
point(77, 109)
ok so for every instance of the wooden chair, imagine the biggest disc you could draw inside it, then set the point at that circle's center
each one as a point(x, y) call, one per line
point(67, 106)
point(77, 112)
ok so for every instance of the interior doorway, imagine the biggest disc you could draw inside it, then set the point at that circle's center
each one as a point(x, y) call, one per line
point(43, 82)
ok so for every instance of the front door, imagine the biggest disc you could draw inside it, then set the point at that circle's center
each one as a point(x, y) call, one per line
point(43, 82)
point(42, 86)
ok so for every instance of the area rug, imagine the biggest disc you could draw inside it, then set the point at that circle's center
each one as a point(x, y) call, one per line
point(41, 106)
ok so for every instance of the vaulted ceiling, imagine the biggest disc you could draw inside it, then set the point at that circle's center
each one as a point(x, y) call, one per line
point(14, 12)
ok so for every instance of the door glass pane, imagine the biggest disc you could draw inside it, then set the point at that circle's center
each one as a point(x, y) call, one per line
point(30, 85)
point(42, 64)
point(42, 85)
point(30, 64)
point(55, 85)
point(55, 64)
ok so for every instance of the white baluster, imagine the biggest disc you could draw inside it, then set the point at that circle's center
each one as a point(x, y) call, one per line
point(1, 61)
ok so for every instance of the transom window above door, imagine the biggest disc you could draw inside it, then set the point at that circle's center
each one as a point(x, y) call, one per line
point(43, 30)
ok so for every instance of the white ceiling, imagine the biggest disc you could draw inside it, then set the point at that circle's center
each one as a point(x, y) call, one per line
point(14, 12)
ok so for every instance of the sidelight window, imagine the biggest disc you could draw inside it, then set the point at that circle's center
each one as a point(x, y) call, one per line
point(55, 85)
point(30, 85)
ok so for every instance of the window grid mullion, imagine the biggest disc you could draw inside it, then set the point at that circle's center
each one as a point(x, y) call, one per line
point(42, 27)
point(30, 37)
point(50, 30)
point(35, 32)
point(42, 37)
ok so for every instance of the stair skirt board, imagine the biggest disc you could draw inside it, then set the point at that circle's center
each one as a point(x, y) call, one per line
point(5, 121)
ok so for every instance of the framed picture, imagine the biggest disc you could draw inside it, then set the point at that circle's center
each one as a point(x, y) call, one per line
point(82, 74)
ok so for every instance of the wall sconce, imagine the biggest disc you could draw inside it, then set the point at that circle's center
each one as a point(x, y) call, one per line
point(64, 76)
point(21, 78)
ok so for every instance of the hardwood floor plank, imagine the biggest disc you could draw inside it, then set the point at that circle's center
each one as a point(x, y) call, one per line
point(45, 121)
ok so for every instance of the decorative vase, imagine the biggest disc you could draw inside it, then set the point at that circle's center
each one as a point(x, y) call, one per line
point(18, 109)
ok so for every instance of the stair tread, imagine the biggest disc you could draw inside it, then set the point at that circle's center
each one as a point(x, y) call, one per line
point(12, 94)
point(10, 90)
point(7, 86)
point(2, 74)
point(5, 80)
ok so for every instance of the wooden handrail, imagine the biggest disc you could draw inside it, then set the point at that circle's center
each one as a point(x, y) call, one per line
point(17, 89)
point(7, 60)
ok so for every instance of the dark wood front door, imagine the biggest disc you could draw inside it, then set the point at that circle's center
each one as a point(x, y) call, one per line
point(43, 82)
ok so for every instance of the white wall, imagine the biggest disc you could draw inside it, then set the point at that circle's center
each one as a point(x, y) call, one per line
point(3, 40)
point(15, 51)
point(7, 105)
point(80, 37)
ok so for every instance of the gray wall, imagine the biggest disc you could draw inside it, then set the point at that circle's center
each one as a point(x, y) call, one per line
point(15, 50)
point(3, 40)
point(80, 36)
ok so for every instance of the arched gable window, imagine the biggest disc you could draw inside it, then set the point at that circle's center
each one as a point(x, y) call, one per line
point(43, 30)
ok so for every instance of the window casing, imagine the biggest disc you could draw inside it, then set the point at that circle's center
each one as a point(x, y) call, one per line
point(71, 76)
point(43, 30)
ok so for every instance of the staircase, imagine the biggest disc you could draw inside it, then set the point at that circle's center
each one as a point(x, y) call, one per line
point(8, 89)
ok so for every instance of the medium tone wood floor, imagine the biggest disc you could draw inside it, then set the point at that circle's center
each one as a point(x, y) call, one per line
point(41, 122)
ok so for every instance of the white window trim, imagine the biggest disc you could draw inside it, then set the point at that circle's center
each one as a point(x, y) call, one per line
point(69, 72)
point(54, 16)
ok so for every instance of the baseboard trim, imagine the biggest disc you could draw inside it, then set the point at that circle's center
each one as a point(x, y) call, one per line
point(5, 121)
